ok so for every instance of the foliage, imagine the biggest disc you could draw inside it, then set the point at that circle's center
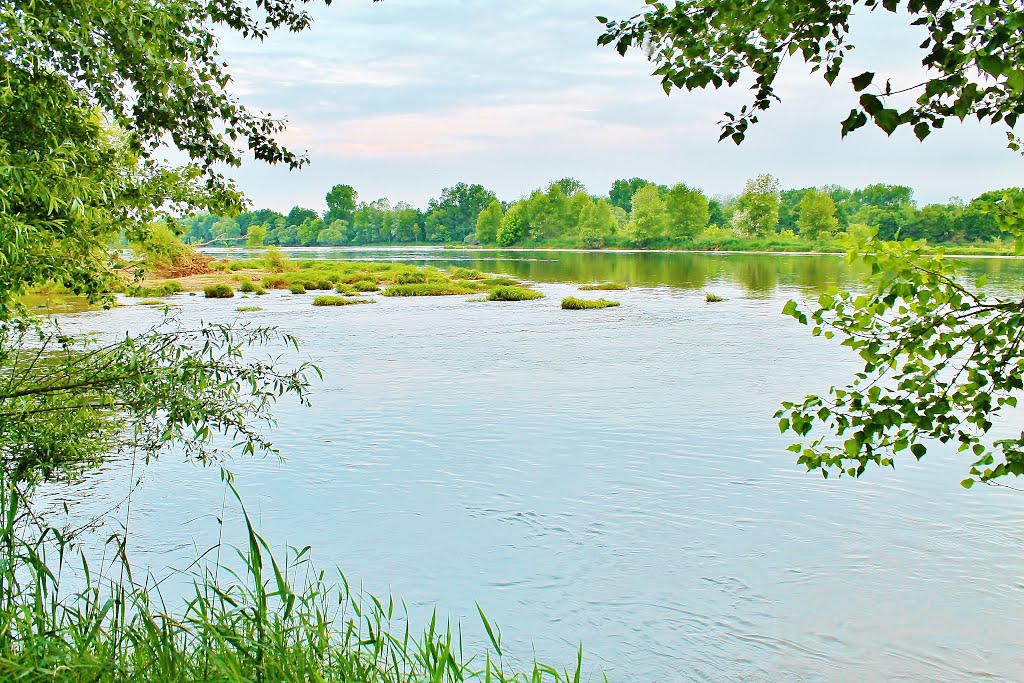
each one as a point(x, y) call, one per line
point(972, 54)
point(648, 219)
point(513, 226)
point(489, 222)
point(712, 298)
point(571, 303)
point(622, 192)
point(941, 362)
point(297, 288)
point(250, 287)
point(759, 204)
point(687, 211)
point(514, 294)
point(342, 201)
point(328, 300)
point(817, 215)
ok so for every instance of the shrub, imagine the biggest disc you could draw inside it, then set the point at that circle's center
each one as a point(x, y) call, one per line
point(171, 287)
point(604, 285)
point(571, 303)
point(712, 298)
point(513, 294)
point(328, 300)
point(297, 288)
point(238, 265)
point(324, 284)
point(218, 291)
point(429, 289)
point(365, 286)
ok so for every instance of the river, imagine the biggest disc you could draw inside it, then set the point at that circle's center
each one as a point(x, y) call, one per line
point(614, 477)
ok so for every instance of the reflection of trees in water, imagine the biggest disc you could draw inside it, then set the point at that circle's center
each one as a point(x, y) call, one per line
point(758, 274)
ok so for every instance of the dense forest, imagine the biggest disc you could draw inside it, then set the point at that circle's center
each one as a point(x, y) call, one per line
point(634, 213)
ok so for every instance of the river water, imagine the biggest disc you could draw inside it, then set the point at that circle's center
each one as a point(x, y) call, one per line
point(613, 477)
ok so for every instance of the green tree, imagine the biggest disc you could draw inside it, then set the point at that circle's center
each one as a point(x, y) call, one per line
point(648, 219)
point(596, 225)
point(341, 203)
point(489, 222)
point(758, 213)
point(513, 225)
point(687, 211)
point(453, 215)
point(621, 194)
point(817, 215)
point(255, 236)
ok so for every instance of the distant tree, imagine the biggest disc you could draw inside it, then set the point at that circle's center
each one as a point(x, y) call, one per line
point(489, 222)
point(298, 215)
point(934, 223)
point(817, 215)
point(457, 210)
point(621, 194)
point(341, 203)
point(687, 212)
point(648, 218)
point(513, 225)
point(549, 214)
point(570, 186)
point(407, 223)
point(759, 206)
point(716, 214)
point(789, 200)
point(883, 195)
point(596, 224)
point(255, 236)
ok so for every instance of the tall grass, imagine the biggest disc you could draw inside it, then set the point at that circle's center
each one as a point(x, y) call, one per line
point(263, 618)
point(429, 289)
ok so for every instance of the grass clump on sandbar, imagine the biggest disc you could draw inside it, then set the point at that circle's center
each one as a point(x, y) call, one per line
point(248, 309)
point(332, 300)
point(712, 298)
point(429, 289)
point(513, 294)
point(218, 291)
point(571, 303)
point(604, 286)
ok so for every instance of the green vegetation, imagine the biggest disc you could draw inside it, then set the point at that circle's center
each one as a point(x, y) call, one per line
point(430, 289)
point(763, 217)
point(297, 288)
point(571, 303)
point(153, 302)
point(328, 300)
point(604, 286)
point(514, 294)
point(249, 309)
point(250, 287)
point(712, 298)
point(218, 291)
point(365, 286)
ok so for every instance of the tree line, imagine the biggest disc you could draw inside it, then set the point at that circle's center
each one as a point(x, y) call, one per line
point(634, 213)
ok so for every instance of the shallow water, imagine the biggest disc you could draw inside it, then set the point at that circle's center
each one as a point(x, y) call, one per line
point(613, 477)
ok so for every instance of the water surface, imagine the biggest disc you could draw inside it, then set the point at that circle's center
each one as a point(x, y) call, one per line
point(611, 476)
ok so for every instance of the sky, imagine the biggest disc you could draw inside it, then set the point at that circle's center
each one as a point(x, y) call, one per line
point(404, 97)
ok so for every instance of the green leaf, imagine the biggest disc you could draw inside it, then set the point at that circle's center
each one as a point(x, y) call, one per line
point(862, 81)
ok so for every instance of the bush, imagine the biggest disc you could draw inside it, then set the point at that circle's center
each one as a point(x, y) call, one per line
point(328, 300)
point(274, 259)
point(365, 286)
point(571, 303)
point(604, 285)
point(218, 291)
point(429, 289)
point(297, 288)
point(170, 287)
point(325, 285)
point(513, 294)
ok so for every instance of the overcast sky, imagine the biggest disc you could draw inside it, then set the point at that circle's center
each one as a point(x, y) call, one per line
point(403, 97)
